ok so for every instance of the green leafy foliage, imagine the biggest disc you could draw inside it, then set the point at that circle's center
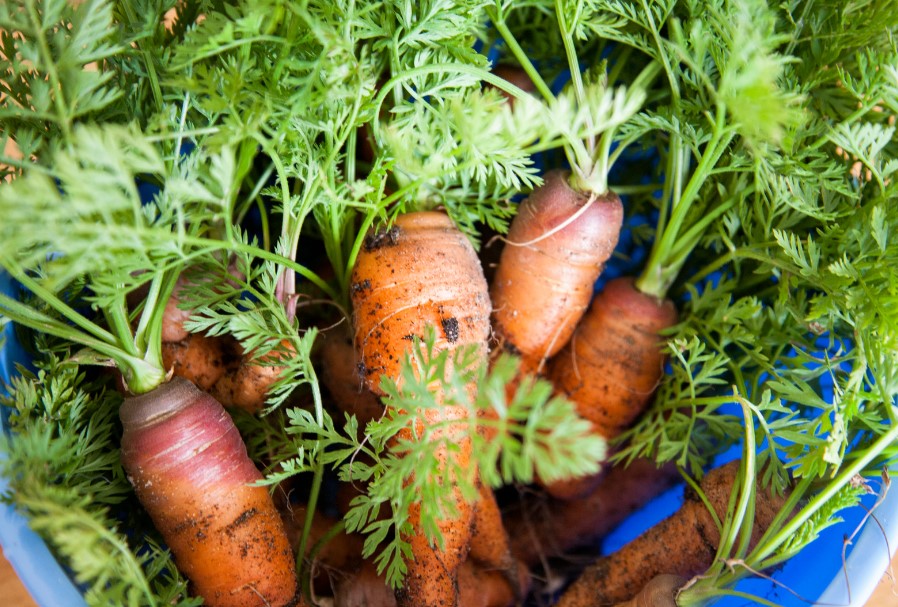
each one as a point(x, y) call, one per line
point(409, 456)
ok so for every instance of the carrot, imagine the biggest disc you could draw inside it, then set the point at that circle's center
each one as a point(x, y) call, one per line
point(543, 527)
point(190, 470)
point(490, 547)
point(684, 544)
point(200, 359)
point(661, 591)
point(613, 363)
point(248, 380)
point(340, 375)
point(556, 247)
point(477, 587)
point(422, 272)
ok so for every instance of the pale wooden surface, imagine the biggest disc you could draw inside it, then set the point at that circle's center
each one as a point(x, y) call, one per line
point(13, 594)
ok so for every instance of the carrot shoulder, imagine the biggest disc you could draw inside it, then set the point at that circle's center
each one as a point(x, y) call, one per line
point(422, 272)
point(556, 247)
point(190, 470)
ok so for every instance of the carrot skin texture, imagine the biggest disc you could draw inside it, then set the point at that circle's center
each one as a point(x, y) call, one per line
point(547, 527)
point(683, 544)
point(423, 272)
point(199, 359)
point(612, 365)
point(542, 288)
point(191, 472)
point(340, 375)
point(246, 382)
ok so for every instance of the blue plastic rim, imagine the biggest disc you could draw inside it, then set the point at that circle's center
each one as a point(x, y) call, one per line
point(816, 576)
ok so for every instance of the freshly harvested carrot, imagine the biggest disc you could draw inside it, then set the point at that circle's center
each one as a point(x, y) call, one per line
point(340, 375)
point(661, 591)
point(613, 363)
point(543, 527)
point(490, 547)
point(477, 587)
point(419, 273)
point(200, 359)
point(556, 247)
point(247, 382)
point(683, 544)
point(190, 470)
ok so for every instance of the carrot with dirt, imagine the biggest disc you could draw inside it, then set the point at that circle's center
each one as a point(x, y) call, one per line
point(684, 544)
point(422, 272)
point(180, 449)
point(542, 527)
point(340, 375)
point(613, 364)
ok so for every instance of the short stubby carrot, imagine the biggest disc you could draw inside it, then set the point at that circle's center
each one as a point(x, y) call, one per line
point(556, 248)
point(190, 470)
point(423, 272)
point(613, 363)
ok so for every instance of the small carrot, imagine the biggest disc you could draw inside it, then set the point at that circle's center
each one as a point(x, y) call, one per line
point(340, 375)
point(684, 544)
point(422, 272)
point(556, 247)
point(247, 383)
point(190, 470)
point(613, 363)
point(200, 359)
point(543, 527)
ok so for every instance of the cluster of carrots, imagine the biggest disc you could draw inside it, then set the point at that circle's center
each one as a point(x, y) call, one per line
point(604, 352)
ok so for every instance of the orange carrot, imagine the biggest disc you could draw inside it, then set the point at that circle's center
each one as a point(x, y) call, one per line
point(477, 587)
point(490, 547)
point(422, 272)
point(683, 544)
point(556, 247)
point(248, 380)
point(613, 363)
point(190, 470)
point(200, 359)
point(543, 527)
point(340, 375)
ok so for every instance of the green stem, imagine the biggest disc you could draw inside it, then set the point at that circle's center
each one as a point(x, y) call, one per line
point(654, 280)
point(574, 67)
point(519, 54)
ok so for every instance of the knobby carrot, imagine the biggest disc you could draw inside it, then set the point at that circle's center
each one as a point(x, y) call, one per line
point(422, 272)
point(556, 247)
point(613, 363)
point(190, 470)
point(684, 544)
